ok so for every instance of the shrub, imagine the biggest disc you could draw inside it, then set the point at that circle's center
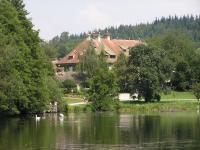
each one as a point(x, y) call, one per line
point(157, 97)
point(69, 85)
point(103, 91)
point(196, 90)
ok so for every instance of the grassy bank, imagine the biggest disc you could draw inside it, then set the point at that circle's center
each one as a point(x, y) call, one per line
point(172, 102)
point(174, 95)
point(75, 99)
point(80, 108)
point(171, 106)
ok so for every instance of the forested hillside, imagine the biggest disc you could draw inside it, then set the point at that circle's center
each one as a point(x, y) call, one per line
point(189, 25)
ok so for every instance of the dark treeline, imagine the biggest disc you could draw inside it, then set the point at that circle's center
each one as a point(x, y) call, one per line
point(189, 25)
point(27, 82)
point(59, 46)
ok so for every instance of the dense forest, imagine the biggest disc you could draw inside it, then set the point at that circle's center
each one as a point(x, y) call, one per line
point(188, 25)
point(27, 82)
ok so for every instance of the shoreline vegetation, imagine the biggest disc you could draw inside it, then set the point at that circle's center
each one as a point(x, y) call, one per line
point(135, 106)
point(172, 102)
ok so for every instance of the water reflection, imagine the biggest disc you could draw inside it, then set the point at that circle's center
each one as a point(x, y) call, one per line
point(102, 131)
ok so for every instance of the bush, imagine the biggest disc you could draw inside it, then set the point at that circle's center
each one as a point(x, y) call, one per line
point(157, 97)
point(167, 91)
point(69, 85)
point(103, 91)
point(196, 90)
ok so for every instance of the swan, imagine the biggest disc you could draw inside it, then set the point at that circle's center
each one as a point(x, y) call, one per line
point(61, 117)
point(37, 118)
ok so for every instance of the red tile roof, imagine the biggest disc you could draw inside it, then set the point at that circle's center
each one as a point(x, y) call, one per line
point(115, 46)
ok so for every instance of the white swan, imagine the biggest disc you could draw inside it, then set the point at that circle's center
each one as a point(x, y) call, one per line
point(61, 117)
point(37, 118)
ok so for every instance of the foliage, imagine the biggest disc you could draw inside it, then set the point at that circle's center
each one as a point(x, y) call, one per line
point(49, 50)
point(184, 24)
point(63, 44)
point(24, 67)
point(68, 85)
point(103, 90)
point(196, 90)
point(194, 61)
point(88, 62)
point(181, 55)
point(145, 75)
point(120, 68)
point(182, 77)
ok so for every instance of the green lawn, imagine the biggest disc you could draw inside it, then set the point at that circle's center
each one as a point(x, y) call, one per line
point(162, 106)
point(70, 100)
point(178, 96)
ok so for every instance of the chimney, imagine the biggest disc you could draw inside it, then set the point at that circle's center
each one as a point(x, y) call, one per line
point(108, 36)
point(99, 37)
point(89, 37)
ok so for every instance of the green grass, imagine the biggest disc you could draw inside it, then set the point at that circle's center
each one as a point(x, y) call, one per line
point(80, 108)
point(70, 100)
point(173, 95)
point(172, 102)
point(142, 107)
point(166, 106)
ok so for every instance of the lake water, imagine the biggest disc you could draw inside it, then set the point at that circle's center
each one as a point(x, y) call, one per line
point(102, 131)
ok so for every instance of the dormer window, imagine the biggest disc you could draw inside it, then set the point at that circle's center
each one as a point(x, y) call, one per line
point(70, 57)
point(112, 56)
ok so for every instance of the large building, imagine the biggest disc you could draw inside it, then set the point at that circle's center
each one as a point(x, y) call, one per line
point(112, 49)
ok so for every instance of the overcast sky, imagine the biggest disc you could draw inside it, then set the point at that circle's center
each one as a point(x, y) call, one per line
point(52, 17)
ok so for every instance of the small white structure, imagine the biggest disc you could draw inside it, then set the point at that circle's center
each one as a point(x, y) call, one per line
point(78, 87)
point(127, 97)
point(124, 96)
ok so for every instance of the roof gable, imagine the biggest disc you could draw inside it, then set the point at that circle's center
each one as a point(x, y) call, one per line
point(111, 47)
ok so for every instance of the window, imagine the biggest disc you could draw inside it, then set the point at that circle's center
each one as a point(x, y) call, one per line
point(70, 57)
point(112, 56)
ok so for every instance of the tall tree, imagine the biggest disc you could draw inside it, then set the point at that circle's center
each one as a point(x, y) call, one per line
point(143, 72)
point(103, 90)
point(120, 68)
point(88, 61)
point(29, 69)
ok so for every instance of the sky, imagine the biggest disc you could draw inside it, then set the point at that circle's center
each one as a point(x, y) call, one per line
point(52, 17)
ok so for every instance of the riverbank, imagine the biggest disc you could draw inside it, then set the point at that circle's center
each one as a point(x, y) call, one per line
point(140, 106)
point(172, 102)
point(165, 106)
